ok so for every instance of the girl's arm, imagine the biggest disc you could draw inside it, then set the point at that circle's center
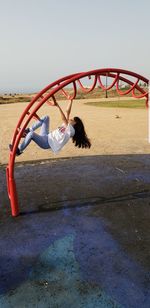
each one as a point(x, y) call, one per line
point(68, 110)
point(64, 119)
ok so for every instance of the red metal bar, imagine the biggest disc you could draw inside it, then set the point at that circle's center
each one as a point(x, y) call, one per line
point(35, 116)
point(50, 103)
point(109, 87)
point(139, 96)
point(70, 97)
point(85, 90)
point(128, 91)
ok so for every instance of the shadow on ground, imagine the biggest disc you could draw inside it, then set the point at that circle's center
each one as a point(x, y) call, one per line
point(83, 237)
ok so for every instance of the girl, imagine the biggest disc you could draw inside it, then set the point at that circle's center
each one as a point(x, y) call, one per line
point(55, 140)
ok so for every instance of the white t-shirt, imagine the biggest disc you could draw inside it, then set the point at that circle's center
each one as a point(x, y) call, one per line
point(60, 136)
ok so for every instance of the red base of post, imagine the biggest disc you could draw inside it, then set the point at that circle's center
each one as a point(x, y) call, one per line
point(12, 193)
point(13, 198)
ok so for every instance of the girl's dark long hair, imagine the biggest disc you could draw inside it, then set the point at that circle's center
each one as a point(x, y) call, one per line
point(80, 138)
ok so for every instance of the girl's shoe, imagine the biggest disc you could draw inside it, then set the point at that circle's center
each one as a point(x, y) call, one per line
point(18, 152)
point(26, 131)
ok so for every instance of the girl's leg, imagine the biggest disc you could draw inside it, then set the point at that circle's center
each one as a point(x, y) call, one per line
point(45, 126)
point(41, 141)
point(26, 141)
point(43, 123)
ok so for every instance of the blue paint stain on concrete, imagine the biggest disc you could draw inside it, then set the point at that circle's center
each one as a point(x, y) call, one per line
point(55, 281)
point(98, 272)
point(103, 261)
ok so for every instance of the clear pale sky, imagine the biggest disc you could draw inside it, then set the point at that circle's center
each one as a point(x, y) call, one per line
point(43, 40)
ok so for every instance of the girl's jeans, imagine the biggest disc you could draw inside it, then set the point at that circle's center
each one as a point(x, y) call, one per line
point(42, 139)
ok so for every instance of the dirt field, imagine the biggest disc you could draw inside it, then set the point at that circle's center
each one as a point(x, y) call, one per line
point(126, 134)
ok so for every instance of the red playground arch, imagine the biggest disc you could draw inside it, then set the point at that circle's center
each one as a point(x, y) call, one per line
point(47, 95)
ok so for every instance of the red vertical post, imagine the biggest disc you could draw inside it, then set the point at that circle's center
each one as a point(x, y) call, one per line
point(14, 197)
point(12, 193)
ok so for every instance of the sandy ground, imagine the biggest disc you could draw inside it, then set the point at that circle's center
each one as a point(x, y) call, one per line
point(127, 134)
